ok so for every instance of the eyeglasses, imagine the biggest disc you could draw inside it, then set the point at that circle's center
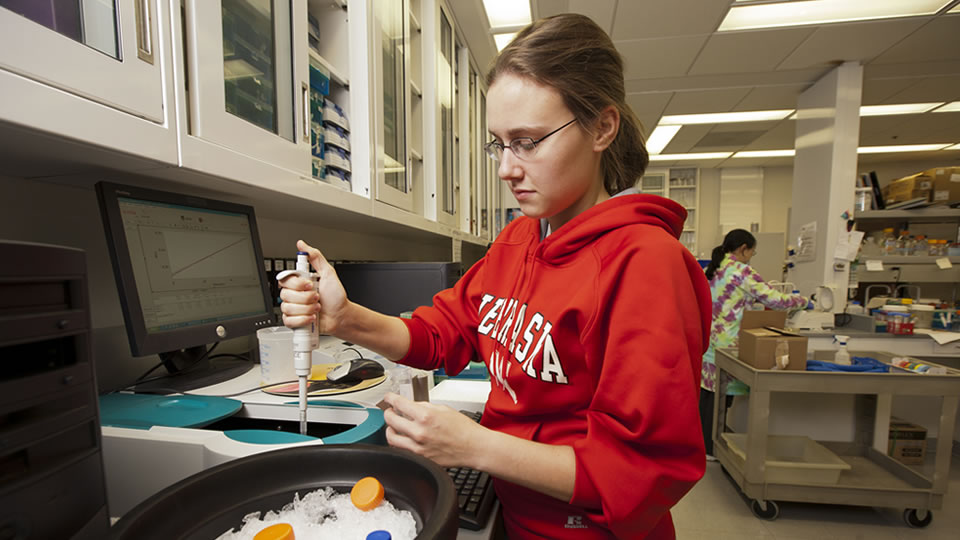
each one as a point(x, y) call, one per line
point(523, 147)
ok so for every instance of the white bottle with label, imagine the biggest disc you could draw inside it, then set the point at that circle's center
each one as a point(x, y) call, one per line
point(781, 355)
point(842, 356)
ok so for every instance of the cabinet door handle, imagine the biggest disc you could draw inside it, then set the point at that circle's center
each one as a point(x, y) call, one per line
point(306, 112)
point(144, 31)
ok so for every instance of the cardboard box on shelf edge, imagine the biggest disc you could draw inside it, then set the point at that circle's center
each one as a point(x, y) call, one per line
point(907, 443)
point(909, 187)
point(946, 185)
point(759, 319)
point(758, 345)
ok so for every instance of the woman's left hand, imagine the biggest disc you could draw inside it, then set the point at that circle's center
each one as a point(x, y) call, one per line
point(433, 431)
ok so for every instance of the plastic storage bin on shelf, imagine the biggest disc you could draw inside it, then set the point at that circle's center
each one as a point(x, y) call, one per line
point(793, 459)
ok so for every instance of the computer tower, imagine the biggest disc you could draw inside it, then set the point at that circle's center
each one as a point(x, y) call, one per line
point(51, 465)
point(395, 287)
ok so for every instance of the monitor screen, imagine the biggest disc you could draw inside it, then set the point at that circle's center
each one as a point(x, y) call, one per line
point(189, 271)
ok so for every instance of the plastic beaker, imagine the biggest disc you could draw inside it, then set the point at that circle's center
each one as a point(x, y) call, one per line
point(276, 354)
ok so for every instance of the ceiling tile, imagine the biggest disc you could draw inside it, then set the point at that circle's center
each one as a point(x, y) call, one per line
point(705, 101)
point(835, 43)
point(780, 137)
point(930, 89)
point(881, 130)
point(880, 91)
point(765, 98)
point(685, 139)
point(649, 108)
point(937, 40)
point(549, 8)
point(748, 52)
point(635, 19)
point(601, 11)
point(659, 57)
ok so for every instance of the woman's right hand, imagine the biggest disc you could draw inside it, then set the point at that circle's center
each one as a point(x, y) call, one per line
point(302, 304)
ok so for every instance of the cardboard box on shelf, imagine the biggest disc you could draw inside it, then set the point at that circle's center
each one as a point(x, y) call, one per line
point(759, 319)
point(946, 185)
point(758, 348)
point(909, 187)
point(907, 443)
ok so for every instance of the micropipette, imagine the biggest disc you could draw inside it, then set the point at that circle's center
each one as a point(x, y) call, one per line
point(305, 339)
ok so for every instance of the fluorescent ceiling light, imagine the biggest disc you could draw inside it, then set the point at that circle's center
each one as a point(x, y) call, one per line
point(724, 118)
point(953, 106)
point(660, 137)
point(702, 155)
point(901, 108)
point(956, 9)
point(765, 153)
point(507, 13)
point(954, 147)
point(901, 148)
point(502, 40)
point(771, 15)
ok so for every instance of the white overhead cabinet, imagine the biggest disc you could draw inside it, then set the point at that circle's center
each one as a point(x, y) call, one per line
point(93, 71)
point(248, 78)
point(392, 59)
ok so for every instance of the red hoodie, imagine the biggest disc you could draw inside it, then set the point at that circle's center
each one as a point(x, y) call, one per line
point(593, 339)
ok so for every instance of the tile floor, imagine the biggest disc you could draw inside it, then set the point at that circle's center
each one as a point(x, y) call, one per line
point(715, 509)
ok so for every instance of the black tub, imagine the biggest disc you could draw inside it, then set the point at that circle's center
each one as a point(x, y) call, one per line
point(209, 503)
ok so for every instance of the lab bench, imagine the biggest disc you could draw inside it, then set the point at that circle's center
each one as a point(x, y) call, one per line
point(874, 478)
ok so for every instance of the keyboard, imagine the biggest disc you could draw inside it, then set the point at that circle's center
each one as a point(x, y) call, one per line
point(475, 492)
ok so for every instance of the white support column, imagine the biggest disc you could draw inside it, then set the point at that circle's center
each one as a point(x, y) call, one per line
point(824, 174)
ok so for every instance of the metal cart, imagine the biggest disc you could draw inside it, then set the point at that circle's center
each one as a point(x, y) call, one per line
point(874, 479)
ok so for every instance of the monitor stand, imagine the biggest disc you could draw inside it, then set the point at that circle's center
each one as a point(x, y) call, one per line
point(189, 369)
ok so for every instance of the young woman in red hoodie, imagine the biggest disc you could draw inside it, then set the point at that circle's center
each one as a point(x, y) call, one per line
point(590, 315)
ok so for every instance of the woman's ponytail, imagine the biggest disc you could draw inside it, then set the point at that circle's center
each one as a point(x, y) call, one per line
point(731, 242)
point(716, 257)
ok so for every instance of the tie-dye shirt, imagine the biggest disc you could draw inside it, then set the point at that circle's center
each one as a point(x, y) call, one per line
point(734, 287)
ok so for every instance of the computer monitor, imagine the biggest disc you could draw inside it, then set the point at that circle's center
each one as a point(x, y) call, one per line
point(189, 272)
point(396, 287)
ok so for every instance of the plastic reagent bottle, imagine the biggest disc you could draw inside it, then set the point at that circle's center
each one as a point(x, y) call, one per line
point(842, 356)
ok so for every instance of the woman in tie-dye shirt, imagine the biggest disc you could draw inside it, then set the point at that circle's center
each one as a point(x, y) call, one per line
point(734, 286)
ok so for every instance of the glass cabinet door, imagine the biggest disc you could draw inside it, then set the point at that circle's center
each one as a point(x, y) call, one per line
point(446, 194)
point(487, 171)
point(105, 51)
point(390, 36)
point(248, 72)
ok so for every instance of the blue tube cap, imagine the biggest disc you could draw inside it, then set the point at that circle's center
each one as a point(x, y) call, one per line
point(379, 535)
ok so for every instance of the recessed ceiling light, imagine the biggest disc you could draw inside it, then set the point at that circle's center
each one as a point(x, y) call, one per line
point(507, 13)
point(953, 106)
point(901, 148)
point(900, 108)
point(702, 155)
point(764, 153)
point(502, 40)
point(660, 137)
point(778, 14)
point(724, 118)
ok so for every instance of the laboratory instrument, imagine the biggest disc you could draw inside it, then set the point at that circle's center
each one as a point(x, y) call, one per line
point(305, 338)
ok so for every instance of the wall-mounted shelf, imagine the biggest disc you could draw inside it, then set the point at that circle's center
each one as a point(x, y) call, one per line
point(934, 214)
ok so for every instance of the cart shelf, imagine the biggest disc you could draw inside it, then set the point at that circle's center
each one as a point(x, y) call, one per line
point(874, 479)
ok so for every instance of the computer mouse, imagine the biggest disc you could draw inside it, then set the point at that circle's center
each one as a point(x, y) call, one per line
point(358, 370)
